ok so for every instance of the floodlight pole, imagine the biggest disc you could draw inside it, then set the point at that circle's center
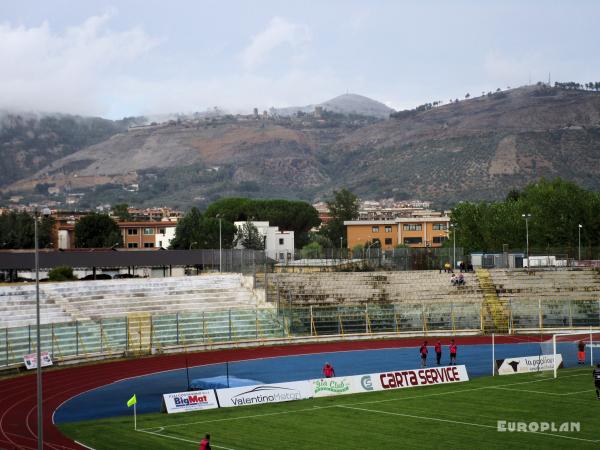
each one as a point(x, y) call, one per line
point(220, 249)
point(579, 242)
point(38, 351)
point(453, 246)
point(527, 217)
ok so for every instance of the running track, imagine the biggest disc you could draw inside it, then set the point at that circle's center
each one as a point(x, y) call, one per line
point(18, 416)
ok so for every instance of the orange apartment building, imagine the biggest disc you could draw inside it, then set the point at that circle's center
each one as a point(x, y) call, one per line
point(409, 231)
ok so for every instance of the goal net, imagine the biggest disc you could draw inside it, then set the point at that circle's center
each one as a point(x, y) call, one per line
point(580, 348)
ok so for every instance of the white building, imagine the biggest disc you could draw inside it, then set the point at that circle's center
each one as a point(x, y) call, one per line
point(164, 236)
point(279, 245)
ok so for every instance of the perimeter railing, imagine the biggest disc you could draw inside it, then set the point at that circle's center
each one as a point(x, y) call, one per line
point(143, 333)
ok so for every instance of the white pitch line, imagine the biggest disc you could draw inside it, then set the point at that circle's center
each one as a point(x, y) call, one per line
point(182, 439)
point(437, 419)
point(542, 392)
point(254, 416)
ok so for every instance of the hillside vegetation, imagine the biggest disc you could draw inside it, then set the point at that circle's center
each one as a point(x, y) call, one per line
point(475, 149)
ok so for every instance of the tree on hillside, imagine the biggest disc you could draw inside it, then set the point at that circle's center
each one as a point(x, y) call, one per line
point(248, 237)
point(97, 231)
point(344, 206)
point(121, 210)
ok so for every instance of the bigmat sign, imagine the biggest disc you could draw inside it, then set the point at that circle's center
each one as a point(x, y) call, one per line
point(264, 393)
point(526, 364)
point(419, 377)
point(190, 401)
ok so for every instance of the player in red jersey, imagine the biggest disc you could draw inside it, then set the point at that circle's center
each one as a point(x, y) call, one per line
point(205, 443)
point(423, 352)
point(328, 370)
point(438, 352)
point(452, 353)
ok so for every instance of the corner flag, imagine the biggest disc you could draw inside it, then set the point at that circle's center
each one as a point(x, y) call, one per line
point(131, 401)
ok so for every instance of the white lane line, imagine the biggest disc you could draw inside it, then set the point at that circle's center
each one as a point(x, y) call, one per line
point(182, 439)
point(437, 419)
point(370, 402)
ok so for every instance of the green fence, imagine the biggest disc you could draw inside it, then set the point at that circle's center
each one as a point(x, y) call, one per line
point(117, 336)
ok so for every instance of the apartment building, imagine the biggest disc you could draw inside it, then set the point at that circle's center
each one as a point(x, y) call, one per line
point(410, 231)
point(146, 235)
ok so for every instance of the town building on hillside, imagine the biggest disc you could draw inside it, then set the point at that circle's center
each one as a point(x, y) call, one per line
point(279, 245)
point(150, 214)
point(410, 231)
point(323, 211)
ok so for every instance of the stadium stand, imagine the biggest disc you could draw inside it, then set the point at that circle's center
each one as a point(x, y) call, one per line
point(352, 288)
point(85, 300)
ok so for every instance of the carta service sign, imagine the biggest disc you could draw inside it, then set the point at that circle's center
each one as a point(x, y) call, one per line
point(419, 377)
point(190, 401)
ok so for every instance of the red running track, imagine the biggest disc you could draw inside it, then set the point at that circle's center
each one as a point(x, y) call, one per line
point(18, 412)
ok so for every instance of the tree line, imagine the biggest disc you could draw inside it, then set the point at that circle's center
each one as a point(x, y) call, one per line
point(572, 85)
point(17, 231)
point(554, 209)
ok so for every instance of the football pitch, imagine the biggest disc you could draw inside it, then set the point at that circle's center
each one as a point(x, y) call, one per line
point(464, 415)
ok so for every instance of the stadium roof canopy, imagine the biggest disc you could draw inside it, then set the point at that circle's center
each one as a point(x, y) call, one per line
point(89, 258)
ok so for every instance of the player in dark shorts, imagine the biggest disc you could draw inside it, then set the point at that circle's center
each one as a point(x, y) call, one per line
point(597, 380)
point(438, 352)
point(452, 353)
point(581, 352)
point(423, 352)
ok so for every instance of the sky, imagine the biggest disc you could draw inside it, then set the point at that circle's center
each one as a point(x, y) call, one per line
point(133, 57)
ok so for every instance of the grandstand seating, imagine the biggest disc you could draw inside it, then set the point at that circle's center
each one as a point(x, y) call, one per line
point(563, 296)
point(547, 284)
point(319, 288)
point(84, 300)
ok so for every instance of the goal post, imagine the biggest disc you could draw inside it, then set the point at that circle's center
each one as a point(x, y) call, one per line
point(575, 348)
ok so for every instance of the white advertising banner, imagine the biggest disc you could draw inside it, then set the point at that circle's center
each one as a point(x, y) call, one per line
point(190, 401)
point(31, 360)
point(527, 364)
point(264, 393)
point(324, 387)
point(419, 377)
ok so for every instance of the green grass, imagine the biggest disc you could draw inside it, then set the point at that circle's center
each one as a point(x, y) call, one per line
point(461, 415)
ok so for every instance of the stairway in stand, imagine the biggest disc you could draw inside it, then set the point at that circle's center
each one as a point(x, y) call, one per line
point(495, 314)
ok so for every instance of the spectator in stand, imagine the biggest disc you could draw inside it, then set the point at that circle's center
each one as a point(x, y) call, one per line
point(423, 352)
point(581, 352)
point(462, 266)
point(469, 267)
point(452, 353)
point(453, 280)
point(438, 352)
point(447, 267)
point(328, 370)
point(461, 279)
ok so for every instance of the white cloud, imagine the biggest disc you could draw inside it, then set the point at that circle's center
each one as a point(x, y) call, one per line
point(278, 33)
point(69, 71)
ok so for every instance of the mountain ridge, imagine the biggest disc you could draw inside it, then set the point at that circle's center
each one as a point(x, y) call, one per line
point(474, 149)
